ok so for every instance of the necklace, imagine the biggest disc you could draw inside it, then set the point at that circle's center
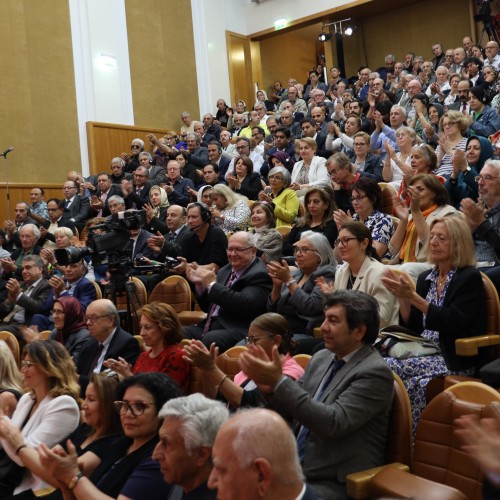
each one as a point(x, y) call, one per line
point(441, 282)
point(351, 281)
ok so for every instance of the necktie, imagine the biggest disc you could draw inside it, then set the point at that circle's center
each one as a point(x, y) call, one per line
point(464, 108)
point(214, 308)
point(96, 359)
point(17, 307)
point(303, 434)
point(171, 237)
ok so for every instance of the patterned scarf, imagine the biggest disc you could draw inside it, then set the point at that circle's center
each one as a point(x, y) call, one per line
point(407, 253)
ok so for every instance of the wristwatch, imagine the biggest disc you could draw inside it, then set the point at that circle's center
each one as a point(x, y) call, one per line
point(290, 282)
point(74, 481)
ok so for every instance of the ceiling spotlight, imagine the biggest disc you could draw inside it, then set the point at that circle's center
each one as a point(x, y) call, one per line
point(324, 37)
point(348, 31)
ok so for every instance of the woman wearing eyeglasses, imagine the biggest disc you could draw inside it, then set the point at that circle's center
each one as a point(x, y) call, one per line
point(281, 198)
point(362, 270)
point(295, 294)
point(126, 469)
point(453, 127)
point(266, 331)
point(366, 200)
point(161, 332)
point(44, 414)
point(92, 438)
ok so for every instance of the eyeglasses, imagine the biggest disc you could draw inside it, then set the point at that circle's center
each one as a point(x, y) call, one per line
point(253, 339)
point(276, 178)
point(343, 241)
point(357, 199)
point(486, 177)
point(27, 364)
point(448, 124)
point(52, 209)
point(242, 147)
point(95, 317)
point(238, 250)
point(57, 312)
point(137, 408)
point(302, 250)
point(134, 146)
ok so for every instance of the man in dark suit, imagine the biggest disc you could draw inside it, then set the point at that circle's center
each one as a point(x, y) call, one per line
point(108, 340)
point(234, 298)
point(105, 189)
point(255, 456)
point(309, 130)
point(77, 206)
point(215, 156)
point(341, 405)
point(23, 301)
point(139, 243)
point(156, 173)
point(57, 218)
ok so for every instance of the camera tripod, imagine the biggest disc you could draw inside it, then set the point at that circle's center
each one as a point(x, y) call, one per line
point(122, 287)
point(491, 32)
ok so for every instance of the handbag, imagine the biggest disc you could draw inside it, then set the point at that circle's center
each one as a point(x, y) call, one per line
point(11, 475)
point(396, 341)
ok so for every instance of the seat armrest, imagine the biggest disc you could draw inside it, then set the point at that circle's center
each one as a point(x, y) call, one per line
point(469, 346)
point(187, 318)
point(358, 483)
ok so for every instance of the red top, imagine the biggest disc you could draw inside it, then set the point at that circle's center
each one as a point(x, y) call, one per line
point(169, 361)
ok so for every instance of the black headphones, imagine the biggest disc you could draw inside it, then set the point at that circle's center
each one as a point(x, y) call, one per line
point(206, 215)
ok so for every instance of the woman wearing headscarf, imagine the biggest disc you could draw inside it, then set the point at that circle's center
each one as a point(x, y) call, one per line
point(70, 325)
point(156, 210)
point(466, 166)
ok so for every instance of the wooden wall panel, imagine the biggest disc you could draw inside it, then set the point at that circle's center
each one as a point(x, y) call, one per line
point(37, 102)
point(107, 140)
point(21, 192)
point(162, 62)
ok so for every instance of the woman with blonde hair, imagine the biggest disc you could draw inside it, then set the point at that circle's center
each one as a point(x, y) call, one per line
point(161, 332)
point(310, 170)
point(44, 414)
point(449, 302)
point(453, 127)
point(230, 210)
point(11, 383)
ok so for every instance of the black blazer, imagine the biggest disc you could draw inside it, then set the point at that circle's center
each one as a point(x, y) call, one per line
point(243, 301)
point(463, 314)
point(123, 344)
point(114, 189)
point(79, 210)
point(31, 304)
point(250, 186)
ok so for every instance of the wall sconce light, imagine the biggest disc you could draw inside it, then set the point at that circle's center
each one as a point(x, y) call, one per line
point(107, 61)
point(279, 24)
point(324, 37)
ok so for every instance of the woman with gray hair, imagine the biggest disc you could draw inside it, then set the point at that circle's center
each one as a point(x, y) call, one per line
point(230, 210)
point(295, 294)
point(283, 200)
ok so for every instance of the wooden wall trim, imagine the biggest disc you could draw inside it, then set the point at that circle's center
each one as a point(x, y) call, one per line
point(107, 140)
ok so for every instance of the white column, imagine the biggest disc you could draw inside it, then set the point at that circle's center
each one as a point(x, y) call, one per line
point(101, 66)
point(211, 53)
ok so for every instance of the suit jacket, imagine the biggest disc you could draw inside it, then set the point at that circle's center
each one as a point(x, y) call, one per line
point(64, 221)
point(114, 189)
point(123, 344)
point(463, 313)
point(176, 247)
point(31, 304)
point(368, 281)
point(141, 245)
point(223, 166)
point(348, 425)
point(74, 342)
point(85, 292)
point(156, 174)
point(79, 210)
point(243, 301)
point(14, 255)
